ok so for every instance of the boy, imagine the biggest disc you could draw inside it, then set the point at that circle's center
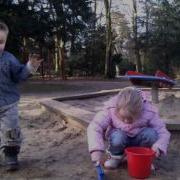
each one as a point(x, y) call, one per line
point(11, 73)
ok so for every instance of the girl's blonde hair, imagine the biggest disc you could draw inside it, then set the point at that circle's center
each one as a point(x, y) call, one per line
point(130, 99)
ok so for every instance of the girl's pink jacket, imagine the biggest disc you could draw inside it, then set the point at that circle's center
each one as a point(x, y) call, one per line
point(106, 120)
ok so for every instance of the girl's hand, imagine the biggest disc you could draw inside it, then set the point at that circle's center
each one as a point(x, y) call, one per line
point(156, 150)
point(96, 156)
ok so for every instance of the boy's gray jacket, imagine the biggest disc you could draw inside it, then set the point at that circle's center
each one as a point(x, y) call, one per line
point(11, 73)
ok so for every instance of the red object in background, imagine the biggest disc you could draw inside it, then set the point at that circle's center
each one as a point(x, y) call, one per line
point(163, 83)
point(162, 74)
point(157, 74)
point(133, 73)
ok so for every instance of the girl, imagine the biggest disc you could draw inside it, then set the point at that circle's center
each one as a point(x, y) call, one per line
point(127, 119)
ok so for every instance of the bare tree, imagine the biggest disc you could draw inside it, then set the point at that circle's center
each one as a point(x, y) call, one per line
point(108, 60)
point(136, 43)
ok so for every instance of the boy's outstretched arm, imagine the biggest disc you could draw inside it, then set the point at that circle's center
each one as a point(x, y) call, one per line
point(20, 72)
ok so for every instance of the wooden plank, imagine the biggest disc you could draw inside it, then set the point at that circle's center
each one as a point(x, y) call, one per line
point(82, 115)
point(81, 118)
point(73, 115)
point(105, 92)
point(172, 125)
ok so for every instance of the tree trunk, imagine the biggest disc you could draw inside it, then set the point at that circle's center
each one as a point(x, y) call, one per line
point(95, 11)
point(61, 59)
point(147, 33)
point(42, 64)
point(108, 63)
point(136, 46)
point(56, 55)
point(25, 51)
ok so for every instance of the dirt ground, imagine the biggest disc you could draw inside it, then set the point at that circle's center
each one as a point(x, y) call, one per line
point(54, 150)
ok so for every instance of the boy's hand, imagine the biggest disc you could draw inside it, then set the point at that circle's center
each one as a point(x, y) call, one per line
point(35, 60)
point(156, 150)
point(34, 63)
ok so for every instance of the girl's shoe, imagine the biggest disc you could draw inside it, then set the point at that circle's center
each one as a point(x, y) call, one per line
point(112, 163)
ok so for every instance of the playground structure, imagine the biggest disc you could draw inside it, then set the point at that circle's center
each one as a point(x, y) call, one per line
point(160, 80)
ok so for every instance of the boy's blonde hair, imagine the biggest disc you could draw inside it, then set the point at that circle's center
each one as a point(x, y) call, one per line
point(130, 99)
point(4, 27)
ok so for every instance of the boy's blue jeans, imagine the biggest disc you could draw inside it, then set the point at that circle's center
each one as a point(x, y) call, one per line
point(10, 133)
point(118, 140)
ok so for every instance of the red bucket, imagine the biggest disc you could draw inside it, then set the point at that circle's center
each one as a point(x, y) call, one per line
point(139, 161)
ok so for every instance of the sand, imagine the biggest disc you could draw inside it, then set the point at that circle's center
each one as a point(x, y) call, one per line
point(52, 149)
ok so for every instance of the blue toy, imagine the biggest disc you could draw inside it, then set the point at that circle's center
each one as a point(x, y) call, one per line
point(100, 172)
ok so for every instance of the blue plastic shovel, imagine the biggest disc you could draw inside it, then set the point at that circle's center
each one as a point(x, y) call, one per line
point(100, 172)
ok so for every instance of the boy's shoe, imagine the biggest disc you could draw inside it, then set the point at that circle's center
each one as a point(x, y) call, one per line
point(11, 163)
point(11, 157)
